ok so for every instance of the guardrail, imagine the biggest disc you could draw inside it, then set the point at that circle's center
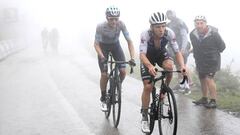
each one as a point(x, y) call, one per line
point(8, 47)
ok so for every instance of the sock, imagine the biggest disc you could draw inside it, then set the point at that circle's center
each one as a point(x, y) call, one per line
point(144, 114)
point(103, 95)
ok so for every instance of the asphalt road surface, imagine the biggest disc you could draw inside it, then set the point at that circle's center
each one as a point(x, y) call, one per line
point(46, 94)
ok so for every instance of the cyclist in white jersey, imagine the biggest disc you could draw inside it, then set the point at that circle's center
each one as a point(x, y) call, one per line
point(181, 31)
point(106, 41)
point(153, 51)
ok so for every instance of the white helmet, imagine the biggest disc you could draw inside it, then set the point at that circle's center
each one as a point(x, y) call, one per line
point(112, 11)
point(157, 18)
point(200, 18)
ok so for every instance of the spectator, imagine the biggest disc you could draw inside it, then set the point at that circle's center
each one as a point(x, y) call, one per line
point(181, 31)
point(207, 46)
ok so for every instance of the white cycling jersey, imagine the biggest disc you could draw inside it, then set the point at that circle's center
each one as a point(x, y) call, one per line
point(168, 38)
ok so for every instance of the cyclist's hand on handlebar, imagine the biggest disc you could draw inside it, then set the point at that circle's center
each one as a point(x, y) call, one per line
point(103, 60)
point(152, 70)
point(132, 62)
point(183, 71)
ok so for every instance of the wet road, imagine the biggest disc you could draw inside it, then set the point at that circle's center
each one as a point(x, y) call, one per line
point(44, 94)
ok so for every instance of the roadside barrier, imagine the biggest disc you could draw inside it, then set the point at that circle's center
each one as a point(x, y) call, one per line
point(8, 47)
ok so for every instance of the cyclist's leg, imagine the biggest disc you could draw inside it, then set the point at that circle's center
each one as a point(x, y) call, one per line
point(147, 89)
point(104, 75)
point(118, 55)
point(166, 63)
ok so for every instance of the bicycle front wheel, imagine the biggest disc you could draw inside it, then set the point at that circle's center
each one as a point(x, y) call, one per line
point(167, 114)
point(153, 111)
point(108, 96)
point(116, 103)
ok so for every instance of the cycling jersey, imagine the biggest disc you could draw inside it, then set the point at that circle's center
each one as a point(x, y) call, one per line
point(108, 35)
point(168, 38)
point(156, 55)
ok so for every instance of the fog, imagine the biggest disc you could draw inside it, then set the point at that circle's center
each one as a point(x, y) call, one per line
point(77, 20)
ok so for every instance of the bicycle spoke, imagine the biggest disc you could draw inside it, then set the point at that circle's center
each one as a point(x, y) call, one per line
point(108, 97)
point(168, 115)
point(117, 104)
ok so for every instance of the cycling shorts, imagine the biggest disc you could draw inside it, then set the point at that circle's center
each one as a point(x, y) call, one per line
point(116, 51)
point(144, 70)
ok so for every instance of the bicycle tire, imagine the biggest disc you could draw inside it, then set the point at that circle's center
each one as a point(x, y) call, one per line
point(116, 102)
point(108, 97)
point(153, 111)
point(167, 114)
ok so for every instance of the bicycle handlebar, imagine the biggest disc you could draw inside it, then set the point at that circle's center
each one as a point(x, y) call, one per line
point(164, 72)
point(123, 62)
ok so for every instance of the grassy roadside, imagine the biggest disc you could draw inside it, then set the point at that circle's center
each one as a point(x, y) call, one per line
point(227, 101)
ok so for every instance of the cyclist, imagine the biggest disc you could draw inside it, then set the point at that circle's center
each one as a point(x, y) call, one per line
point(181, 31)
point(106, 41)
point(153, 51)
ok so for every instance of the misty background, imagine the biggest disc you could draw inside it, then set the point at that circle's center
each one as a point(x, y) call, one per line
point(76, 21)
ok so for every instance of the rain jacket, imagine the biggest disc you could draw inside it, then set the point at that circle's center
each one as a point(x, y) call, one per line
point(206, 50)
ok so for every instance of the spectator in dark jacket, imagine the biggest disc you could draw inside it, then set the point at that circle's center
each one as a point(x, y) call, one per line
point(207, 46)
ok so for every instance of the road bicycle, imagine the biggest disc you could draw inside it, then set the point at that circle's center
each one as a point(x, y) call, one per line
point(163, 107)
point(113, 96)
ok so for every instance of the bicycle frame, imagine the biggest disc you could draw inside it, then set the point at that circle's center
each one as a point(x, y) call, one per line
point(114, 93)
point(160, 109)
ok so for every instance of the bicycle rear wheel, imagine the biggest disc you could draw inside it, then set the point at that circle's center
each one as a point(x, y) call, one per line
point(108, 97)
point(167, 114)
point(116, 103)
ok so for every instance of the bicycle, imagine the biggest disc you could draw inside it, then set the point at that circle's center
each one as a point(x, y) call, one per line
point(163, 107)
point(113, 96)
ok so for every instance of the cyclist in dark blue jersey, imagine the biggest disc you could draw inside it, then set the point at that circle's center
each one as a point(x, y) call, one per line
point(153, 51)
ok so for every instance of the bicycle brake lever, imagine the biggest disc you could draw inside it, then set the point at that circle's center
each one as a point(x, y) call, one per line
point(131, 70)
point(185, 78)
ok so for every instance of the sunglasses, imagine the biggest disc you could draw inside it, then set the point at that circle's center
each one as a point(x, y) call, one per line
point(113, 19)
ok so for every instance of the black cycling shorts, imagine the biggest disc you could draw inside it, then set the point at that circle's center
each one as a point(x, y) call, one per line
point(144, 70)
point(116, 51)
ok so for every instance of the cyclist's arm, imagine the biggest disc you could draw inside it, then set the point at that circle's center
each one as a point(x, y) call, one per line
point(98, 50)
point(180, 60)
point(128, 39)
point(143, 50)
point(147, 63)
point(172, 40)
point(98, 38)
point(131, 49)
